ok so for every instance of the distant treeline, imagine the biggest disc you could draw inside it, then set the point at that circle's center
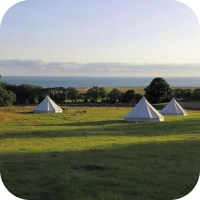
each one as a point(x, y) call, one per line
point(157, 92)
point(30, 94)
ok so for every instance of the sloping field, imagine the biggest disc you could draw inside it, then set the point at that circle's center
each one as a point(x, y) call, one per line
point(97, 156)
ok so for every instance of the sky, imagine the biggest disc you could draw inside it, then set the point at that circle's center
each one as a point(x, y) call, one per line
point(100, 38)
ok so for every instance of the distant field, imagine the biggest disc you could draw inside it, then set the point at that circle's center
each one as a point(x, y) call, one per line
point(97, 155)
point(124, 89)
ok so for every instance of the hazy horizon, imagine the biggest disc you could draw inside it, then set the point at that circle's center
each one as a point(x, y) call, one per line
point(73, 69)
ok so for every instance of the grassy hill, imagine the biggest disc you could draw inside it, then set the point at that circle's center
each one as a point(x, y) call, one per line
point(97, 156)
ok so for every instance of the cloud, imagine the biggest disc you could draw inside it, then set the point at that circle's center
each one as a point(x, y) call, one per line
point(44, 68)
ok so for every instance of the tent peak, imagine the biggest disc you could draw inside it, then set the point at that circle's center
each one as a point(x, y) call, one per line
point(47, 106)
point(173, 108)
point(144, 111)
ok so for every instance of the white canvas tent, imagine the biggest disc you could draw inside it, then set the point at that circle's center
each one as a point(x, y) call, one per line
point(173, 108)
point(144, 111)
point(47, 106)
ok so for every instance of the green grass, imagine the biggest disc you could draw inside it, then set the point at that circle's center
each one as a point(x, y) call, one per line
point(97, 156)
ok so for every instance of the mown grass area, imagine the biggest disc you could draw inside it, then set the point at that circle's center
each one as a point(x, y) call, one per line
point(97, 156)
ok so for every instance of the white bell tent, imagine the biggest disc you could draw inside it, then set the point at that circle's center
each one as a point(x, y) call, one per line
point(144, 111)
point(173, 108)
point(47, 106)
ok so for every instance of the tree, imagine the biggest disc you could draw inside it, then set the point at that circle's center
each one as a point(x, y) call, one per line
point(114, 95)
point(138, 97)
point(82, 96)
point(61, 95)
point(128, 96)
point(196, 95)
point(72, 94)
point(178, 93)
point(187, 94)
point(25, 93)
point(93, 94)
point(6, 97)
point(32, 94)
point(158, 91)
point(102, 93)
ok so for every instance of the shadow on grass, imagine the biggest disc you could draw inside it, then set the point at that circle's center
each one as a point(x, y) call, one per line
point(33, 113)
point(105, 128)
point(91, 123)
point(149, 171)
point(26, 113)
point(109, 128)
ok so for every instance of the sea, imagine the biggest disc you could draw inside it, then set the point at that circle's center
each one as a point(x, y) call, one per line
point(81, 82)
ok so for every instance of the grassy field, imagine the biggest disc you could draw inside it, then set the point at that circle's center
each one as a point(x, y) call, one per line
point(97, 156)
